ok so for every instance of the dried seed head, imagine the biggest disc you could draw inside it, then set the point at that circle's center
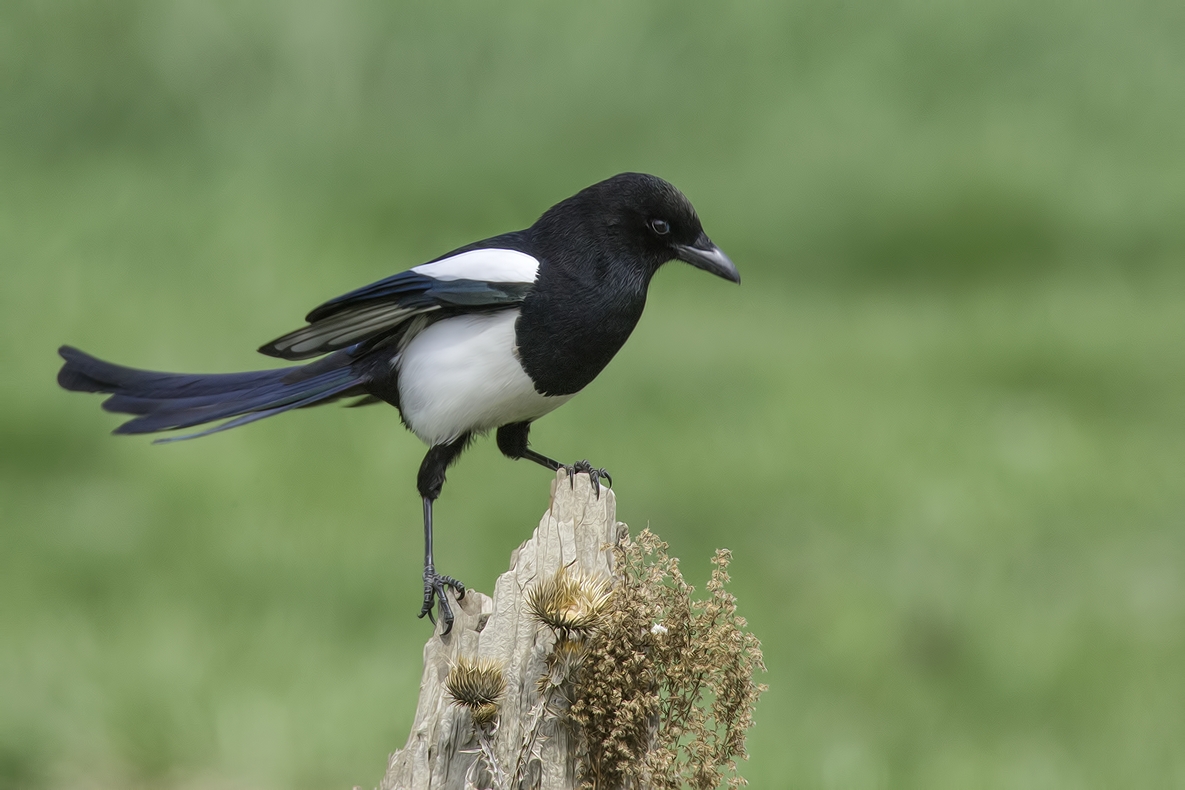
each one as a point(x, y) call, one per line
point(477, 685)
point(485, 714)
point(571, 602)
point(563, 663)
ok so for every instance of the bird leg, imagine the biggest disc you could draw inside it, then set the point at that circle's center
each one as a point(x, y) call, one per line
point(435, 584)
point(430, 482)
point(512, 441)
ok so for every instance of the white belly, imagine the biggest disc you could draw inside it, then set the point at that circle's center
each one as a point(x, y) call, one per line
point(461, 375)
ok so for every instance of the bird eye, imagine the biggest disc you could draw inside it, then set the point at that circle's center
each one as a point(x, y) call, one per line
point(660, 226)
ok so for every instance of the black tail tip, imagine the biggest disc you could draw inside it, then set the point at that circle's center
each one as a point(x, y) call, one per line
point(71, 376)
point(270, 350)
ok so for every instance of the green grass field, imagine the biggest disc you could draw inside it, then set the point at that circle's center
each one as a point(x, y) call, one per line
point(941, 424)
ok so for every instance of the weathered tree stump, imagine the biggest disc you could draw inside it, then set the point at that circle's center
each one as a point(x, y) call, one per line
point(578, 532)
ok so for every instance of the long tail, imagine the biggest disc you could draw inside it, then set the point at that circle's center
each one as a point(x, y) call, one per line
point(170, 401)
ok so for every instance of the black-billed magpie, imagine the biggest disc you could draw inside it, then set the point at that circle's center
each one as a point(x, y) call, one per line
point(494, 334)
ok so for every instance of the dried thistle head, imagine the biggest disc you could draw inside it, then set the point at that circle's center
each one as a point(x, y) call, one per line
point(571, 602)
point(563, 662)
point(485, 714)
point(477, 685)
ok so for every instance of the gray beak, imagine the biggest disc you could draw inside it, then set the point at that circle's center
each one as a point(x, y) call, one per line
point(707, 256)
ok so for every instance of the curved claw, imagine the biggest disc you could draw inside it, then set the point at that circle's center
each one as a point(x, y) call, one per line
point(594, 475)
point(435, 589)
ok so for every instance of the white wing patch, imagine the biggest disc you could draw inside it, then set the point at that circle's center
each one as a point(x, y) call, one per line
point(491, 265)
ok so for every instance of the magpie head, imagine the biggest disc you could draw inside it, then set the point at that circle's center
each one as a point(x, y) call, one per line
point(647, 222)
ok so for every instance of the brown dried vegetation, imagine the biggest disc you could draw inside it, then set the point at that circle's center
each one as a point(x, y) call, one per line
point(665, 692)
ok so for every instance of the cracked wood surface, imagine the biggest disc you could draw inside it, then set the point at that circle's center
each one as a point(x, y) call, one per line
point(578, 531)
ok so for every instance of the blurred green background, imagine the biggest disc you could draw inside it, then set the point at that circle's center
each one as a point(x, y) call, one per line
point(940, 425)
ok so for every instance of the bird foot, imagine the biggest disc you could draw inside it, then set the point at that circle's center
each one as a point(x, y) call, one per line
point(594, 475)
point(435, 587)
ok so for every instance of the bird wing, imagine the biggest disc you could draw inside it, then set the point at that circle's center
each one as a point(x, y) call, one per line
point(470, 280)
